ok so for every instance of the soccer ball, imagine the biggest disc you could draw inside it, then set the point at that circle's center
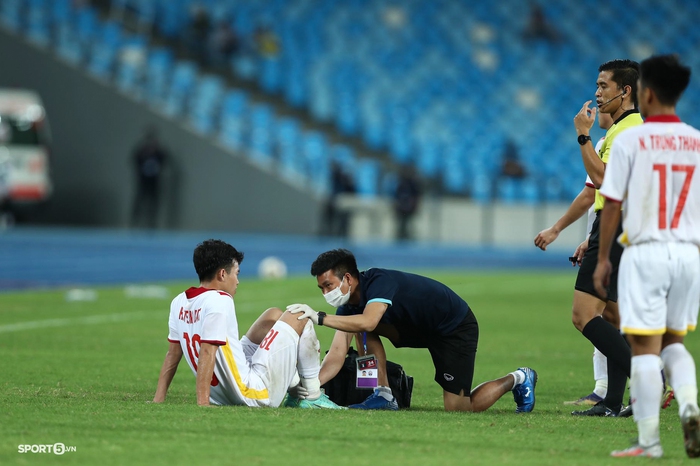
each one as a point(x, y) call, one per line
point(272, 268)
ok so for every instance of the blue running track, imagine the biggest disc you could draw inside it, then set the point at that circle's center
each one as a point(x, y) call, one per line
point(51, 257)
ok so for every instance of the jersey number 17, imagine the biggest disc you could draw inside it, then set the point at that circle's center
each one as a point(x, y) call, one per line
point(662, 169)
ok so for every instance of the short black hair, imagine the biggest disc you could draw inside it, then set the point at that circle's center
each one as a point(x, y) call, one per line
point(666, 76)
point(213, 255)
point(340, 261)
point(625, 73)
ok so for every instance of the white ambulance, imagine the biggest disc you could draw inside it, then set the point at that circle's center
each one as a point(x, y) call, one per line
point(24, 148)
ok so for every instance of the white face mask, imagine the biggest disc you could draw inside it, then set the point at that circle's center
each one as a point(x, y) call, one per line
point(336, 298)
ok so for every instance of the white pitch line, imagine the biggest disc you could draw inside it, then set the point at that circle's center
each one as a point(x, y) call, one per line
point(252, 306)
point(88, 320)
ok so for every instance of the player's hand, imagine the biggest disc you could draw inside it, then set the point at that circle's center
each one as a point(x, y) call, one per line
point(601, 277)
point(546, 237)
point(579, 253)
point(584, 119)
point(306, 310)
point(298, 391)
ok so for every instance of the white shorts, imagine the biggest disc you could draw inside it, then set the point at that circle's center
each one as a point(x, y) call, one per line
point(275, 361)
point(659, 288)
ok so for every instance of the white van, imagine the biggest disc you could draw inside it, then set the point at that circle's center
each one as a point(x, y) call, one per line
point(24, 148)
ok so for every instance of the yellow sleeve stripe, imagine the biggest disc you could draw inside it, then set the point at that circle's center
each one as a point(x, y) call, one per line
point(245, 391)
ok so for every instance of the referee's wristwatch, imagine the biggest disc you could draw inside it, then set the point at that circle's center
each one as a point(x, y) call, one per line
point(321, 316)
point(583, 139)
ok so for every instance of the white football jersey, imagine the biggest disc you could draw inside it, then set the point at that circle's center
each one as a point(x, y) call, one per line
point(201, 315)
point(653, 168)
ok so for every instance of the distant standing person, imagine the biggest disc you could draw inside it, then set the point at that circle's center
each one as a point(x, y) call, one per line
point(512, 167)
point(653, 170)
point(336, 221)
point(149, 159)
point(538, 27)
point(406, 200)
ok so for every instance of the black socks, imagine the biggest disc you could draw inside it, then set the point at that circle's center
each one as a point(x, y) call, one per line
point(613, 345)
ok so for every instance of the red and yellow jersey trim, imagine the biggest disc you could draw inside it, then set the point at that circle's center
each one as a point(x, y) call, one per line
point(246, 391)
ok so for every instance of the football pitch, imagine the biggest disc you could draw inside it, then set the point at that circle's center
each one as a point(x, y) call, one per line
point(82, 373)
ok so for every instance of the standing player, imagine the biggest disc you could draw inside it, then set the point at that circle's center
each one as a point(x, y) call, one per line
point(654, 171)
point(583, 203)
point(616, 95)
point(256, 370)
point(415, 312)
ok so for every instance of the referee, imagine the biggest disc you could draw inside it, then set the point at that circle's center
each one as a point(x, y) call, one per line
point(616, 95)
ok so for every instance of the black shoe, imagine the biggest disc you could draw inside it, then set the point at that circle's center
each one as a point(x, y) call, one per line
point(625, 412)
point(599, 410)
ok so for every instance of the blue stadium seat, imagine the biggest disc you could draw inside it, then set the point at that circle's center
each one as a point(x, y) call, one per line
point(183, 82)
point(413, 90)
point(400, 136)
point(131, 66)
point(206, 104)
point(367, 174)
point(171, 20)
point(68, 45)
point(38, 26)
point(271, 74)
point(481, 189)
point(145, 14)
point(315, 151)
point(288, 140)
point(159, 67)
point(553, 189)
point(507, 190)
point(260, 141)
point(103, 50)
point(61, 11)
point(87, 24)
point(295, 88)
point(347, 115)
point(11, 14)
point(530, 191)
point(428, 157)
point(233, 121)
point(455, 174)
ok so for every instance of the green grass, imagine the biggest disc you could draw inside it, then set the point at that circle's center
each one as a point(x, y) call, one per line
point(86, 382)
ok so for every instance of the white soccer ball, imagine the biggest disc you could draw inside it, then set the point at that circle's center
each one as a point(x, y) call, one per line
point(272, 268)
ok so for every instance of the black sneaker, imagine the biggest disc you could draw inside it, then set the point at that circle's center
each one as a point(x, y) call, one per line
point(626, 411)
point(599, 410)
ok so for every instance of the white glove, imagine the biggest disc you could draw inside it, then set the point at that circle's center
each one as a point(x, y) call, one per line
point(298, 391)
point(307, 312)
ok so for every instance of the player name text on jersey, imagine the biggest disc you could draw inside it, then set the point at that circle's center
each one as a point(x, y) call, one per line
point(189, 317)
point(670, 142)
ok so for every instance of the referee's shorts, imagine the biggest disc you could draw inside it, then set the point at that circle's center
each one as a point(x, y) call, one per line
point(584, 280)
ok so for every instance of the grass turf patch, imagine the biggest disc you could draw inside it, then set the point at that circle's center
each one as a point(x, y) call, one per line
point(83, 373)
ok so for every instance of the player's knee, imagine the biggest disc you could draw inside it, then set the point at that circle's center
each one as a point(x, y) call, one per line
point(581, 315)
point(273, 313)
point(455, 402)
point(293, 321)
point(465, 408)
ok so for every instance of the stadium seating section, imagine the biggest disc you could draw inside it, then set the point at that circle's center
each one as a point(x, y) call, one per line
point(440, 84)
